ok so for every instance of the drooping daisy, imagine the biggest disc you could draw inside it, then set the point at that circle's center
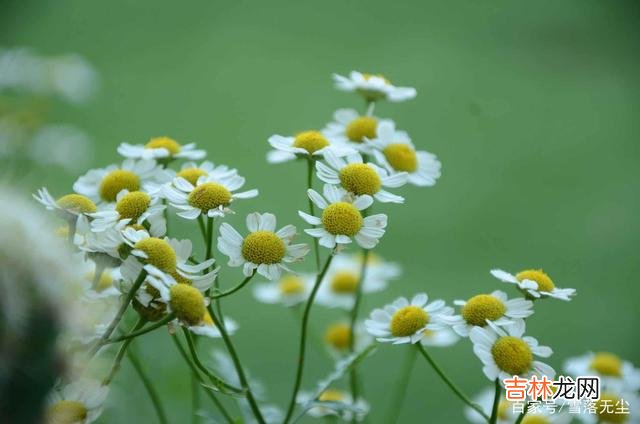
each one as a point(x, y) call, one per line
point(339, 286)
point(79, 402)
point(131, 207)
point(535, 283)
point(68, 207)
point(360, 178)
point(373, 87)
point(614, 372)
point(333, 402)
point(264, 249)
point(337, 338)
point(104, 184)
point(306, 144)
point(439, 338)
point(103, 285)
point(104, 247)
point(495, 307)
point(211, 195)
point(288, 290)
point(341, 219)
point(396, 153)
point(505, 352)
point(161, 148)
point(613, 407)
point(352, 129)
point(405, 322)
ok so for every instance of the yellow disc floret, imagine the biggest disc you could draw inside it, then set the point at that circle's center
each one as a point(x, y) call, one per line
point(263, 247)
point(116, 181)
point(483, 307)
point(512, 355)
point(606, 409)
point(344, 282)
point(77, 203)
point(311, 141)
point(503, 409)
point(331, 395)
point(66, 412)
point(104, 282)
point(369, 76)
point(342, 218)
point(361, 128)
point(535, 419)
point(545, 283)
point(133, 204)
point(164, 142)
point(159, 253)
point(401, 157)
point(359, 179)
point(408, 320)
point(209, 196)
point(606, 363)
point(338, 336)
point(291, 285)
point(192, 174)
point(188, 303)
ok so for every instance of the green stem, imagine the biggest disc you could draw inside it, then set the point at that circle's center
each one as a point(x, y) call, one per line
point(401, 387)
point(165, 212)
point(151, 391)
point(496, 402)
point(316, 249)
point(449, 383)
point(370, 108)
point(244, 382)
point(209, 238)
point(523, 413)
point(123, 349)
point(303, 338)
point(72, 230)
point(203, 231)
point(196, 374)
point(234, 289)
point(142, 331)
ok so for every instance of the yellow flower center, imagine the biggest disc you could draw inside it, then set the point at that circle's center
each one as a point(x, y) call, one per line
point(512, 355)
point(207, 320)
point(331, 395)
point(191, 174)
point(133, 204)
point(535, 419)
point(482, 307)
point(361, 127)
point(503, 409)
point(208, 196)
point(116, 181)
point(263, 247)
point(342, 218)
point(545, 283)
point(606, 409)
point(77, 203)
point(62, 231)
point(66, 412)
point(188, 303)
point(164, 142)
point(291, 285)
point(104, 282)
point(344, 282)
point(360, 178)
point(408, 320)
point(369, 76)
point(159, 253)
point(606, 363)
point(311, 141)
point(338, 336)
point(401, 157)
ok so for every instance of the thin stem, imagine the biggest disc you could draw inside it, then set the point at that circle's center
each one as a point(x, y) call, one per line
point(370, 108)
point(123, 349)
point(401, 387)
point(449, 383)
point(151, 391)
point(72, 231)
point(303, 338)
point(203, 231)
point(523, 413)
point(209, 238)
point(196, 374)
point(234, 289)
point(244, 382)
point(316, 249)
point(97, 274)
point(142, 331)
point(496, 402)
point(165, 212)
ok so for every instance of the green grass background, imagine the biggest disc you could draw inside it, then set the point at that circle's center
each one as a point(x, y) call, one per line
point(531, 106)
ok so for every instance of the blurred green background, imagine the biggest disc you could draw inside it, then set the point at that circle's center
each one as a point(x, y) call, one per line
point(532, 107)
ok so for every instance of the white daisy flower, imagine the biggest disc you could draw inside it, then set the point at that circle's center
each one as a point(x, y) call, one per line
point(288, 290)
point(79, 402)
point(535, 283)
point(264, 249)
point(68, 207)
point(608, 408)
point(439, 338)
point(405, 322)
point(104, 184)
point(104, 247)
point(505, 352)
point(333, 402)
point(341, 219)
point(339, 286)
point(161, 149)
point(337, 338)
point(191, 171)
point(494, 307)
point(307, 144)
point(396, 153)
point(373, 87)
point(211, 195)
point(352, 129)
point(614, 372)
point(131, 208)
point(360, 178)
point(103, 285)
